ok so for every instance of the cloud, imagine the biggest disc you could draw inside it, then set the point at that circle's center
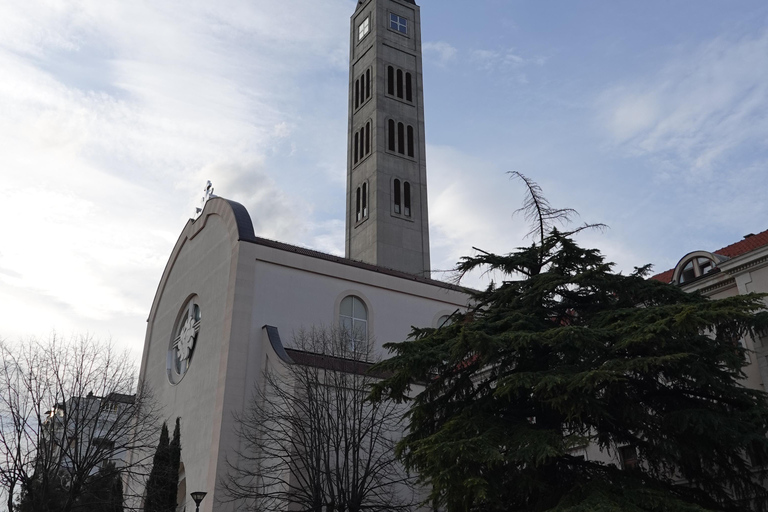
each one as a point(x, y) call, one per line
point(115, 114)
point(444, 51)
point(702, 110)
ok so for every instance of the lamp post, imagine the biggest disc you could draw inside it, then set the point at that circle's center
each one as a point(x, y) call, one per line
point(198, 497)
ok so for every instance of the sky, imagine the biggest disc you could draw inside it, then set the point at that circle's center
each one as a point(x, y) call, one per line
point(650, 117)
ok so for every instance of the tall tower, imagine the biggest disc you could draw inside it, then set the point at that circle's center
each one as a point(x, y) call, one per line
point(387, 222)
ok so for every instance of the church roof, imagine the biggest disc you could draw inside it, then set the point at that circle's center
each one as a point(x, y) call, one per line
point(749, 243)
point(245, 231)
point(353, 263)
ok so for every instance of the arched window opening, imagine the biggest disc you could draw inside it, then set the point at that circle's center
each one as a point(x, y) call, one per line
point(390, 80)
point(367, 137)
point(356, 145)
point(444, 321)
point(365, 199)
point(696, 267)
point(400, 138)
point(362, 143)
point(367, 83)
point(410, 140)
point(353, 322)
point(399, 83)
point(407, 199)
point(357, 205)
point(357, 93)
point(397, 196)
point(408, 87)
point(391, 134)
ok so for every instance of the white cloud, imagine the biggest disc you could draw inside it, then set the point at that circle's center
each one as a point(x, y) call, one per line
point(115, 114)
point(445, 52)
point(704, 106)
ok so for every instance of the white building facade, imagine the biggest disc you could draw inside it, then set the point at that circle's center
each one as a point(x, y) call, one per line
point(229, 302)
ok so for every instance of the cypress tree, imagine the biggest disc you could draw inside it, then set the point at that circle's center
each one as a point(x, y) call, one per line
point(157, 483)
point(174, 462)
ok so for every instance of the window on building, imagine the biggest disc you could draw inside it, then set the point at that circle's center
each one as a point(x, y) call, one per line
point(398, 203)
point(399, 84)
point(444, 320)
point(696, 267)
point(410, 140)
point(398, 23)
point(391, 134)
point(358, 210)
point(407, 199)
point(361, 143)
point(628, 456)
point(364, 28)
point(353, 320)
point(401, 138)
point(365, 199)
point(362, 88)
point(408, 88)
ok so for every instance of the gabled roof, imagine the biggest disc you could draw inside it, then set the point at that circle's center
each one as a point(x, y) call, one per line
point(749, 243)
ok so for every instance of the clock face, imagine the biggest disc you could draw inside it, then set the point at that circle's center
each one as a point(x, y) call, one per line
point(183, 342)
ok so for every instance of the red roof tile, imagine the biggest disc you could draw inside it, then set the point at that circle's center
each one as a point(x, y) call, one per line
point(741, 247)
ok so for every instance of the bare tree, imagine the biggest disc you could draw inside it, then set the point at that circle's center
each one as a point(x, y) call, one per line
point(312, 441)
point(69, 413)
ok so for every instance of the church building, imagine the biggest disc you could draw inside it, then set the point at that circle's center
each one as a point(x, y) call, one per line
point(229, 301)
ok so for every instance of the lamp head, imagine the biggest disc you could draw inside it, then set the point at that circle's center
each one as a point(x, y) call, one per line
point(198, 497)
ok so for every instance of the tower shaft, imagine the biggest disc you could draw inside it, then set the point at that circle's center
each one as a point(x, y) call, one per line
point(387, 222)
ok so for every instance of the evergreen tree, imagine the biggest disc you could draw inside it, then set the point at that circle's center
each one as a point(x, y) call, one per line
point(564, 354)
point(157, 483)
point(173, 467)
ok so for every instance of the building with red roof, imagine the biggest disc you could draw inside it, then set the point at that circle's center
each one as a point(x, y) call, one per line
point(739, 268)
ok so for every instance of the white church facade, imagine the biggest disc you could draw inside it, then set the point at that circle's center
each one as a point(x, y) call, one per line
point(228, 302)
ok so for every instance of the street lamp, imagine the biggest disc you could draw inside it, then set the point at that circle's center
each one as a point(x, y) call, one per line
point(198, 497)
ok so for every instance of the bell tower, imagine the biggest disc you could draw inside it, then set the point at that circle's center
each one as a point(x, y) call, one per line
point(387, 222)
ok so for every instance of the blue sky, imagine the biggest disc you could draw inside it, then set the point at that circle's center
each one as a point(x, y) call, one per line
point(648, 116)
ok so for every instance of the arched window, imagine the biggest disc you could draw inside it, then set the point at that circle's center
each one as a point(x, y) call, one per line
point(400, 138)
point(356, 145)
point(397, 196)
point(410, 140)
point(399, 83)
point(357, 205)
point(390, 80)
point(367, 137)
point(365, 199)
point(357, 93)
point(353, 321)
point(391, 134)
point(696, 267)
point(408, 88)
point(367, 83)
point(444, 321)
point(407, 199)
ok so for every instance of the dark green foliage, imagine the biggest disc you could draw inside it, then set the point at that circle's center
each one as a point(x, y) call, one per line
point(564, 353)
point(157, 483)
point(102, 492)
point(163, 479)
point(173, 468)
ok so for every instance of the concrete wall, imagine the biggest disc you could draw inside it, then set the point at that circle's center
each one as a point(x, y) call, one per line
point(241, 286)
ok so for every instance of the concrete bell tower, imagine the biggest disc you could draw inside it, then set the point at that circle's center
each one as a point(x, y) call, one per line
point(387, 222)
